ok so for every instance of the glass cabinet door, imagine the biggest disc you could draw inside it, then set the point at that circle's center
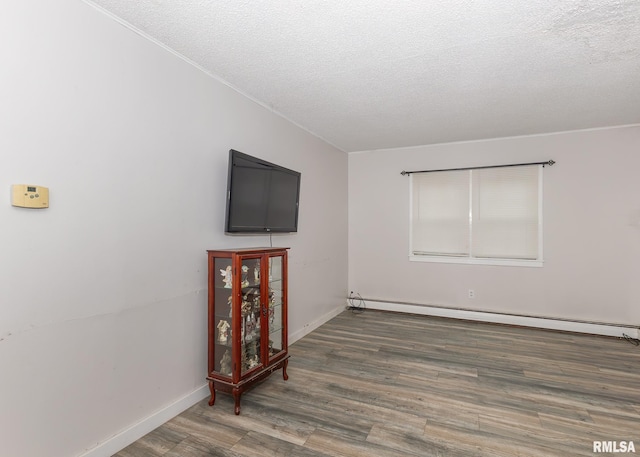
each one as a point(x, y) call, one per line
point(250, 355)
point(275, 305)
point(223, 351)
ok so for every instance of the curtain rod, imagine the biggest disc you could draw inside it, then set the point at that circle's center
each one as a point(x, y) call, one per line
point(548, 162)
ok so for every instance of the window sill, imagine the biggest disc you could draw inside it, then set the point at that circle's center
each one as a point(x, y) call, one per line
point(476, 261)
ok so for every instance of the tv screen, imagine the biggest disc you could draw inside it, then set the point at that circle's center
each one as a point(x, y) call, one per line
point(262, 197)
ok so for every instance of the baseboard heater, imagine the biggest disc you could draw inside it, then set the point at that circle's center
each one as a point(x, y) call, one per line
point(551, 323)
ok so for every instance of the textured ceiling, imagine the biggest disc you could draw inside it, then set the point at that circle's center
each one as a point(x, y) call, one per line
point(372, 74)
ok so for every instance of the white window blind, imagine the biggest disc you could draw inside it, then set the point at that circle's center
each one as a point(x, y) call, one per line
point(440, 224)
point(491, 213)
point(505, 212)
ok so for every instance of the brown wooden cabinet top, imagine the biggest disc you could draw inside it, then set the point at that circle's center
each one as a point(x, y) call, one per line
point(250, 250)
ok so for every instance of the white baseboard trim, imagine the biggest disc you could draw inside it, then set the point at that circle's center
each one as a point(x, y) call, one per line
point(311, 326)
point(510, 319)
point(126, 437)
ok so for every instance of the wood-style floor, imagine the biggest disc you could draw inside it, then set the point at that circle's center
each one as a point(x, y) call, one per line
point(390, 385)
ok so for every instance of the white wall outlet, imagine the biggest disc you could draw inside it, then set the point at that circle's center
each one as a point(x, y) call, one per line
point(472, 293)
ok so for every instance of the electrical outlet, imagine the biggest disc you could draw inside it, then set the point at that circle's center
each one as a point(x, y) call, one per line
point(472, 293)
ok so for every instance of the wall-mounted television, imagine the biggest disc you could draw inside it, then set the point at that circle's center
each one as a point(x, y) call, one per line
point(262, 197)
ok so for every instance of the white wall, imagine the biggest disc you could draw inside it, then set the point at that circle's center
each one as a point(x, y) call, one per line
point(103, 295)
point(591, 229)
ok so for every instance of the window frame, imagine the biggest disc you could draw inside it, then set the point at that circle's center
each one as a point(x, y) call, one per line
point(470, 259)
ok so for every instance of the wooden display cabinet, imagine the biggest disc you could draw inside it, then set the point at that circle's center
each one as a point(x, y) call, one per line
point(247, 318)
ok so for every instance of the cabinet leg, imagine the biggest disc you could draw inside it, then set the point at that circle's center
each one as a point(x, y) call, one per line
point(236, 397)
point(285, 376)
point(212, 400)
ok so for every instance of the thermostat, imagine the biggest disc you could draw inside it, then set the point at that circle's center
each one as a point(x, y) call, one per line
point(29, 196)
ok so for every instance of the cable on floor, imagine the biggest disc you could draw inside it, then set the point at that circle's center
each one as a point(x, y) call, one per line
point(631, 340)
point(356, 303)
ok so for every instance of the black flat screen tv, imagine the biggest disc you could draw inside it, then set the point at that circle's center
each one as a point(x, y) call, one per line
point(262, 197)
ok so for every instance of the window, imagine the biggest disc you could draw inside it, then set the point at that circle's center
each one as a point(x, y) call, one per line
point(488, 216)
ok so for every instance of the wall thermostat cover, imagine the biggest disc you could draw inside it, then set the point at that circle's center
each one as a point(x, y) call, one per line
point(29, 196)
